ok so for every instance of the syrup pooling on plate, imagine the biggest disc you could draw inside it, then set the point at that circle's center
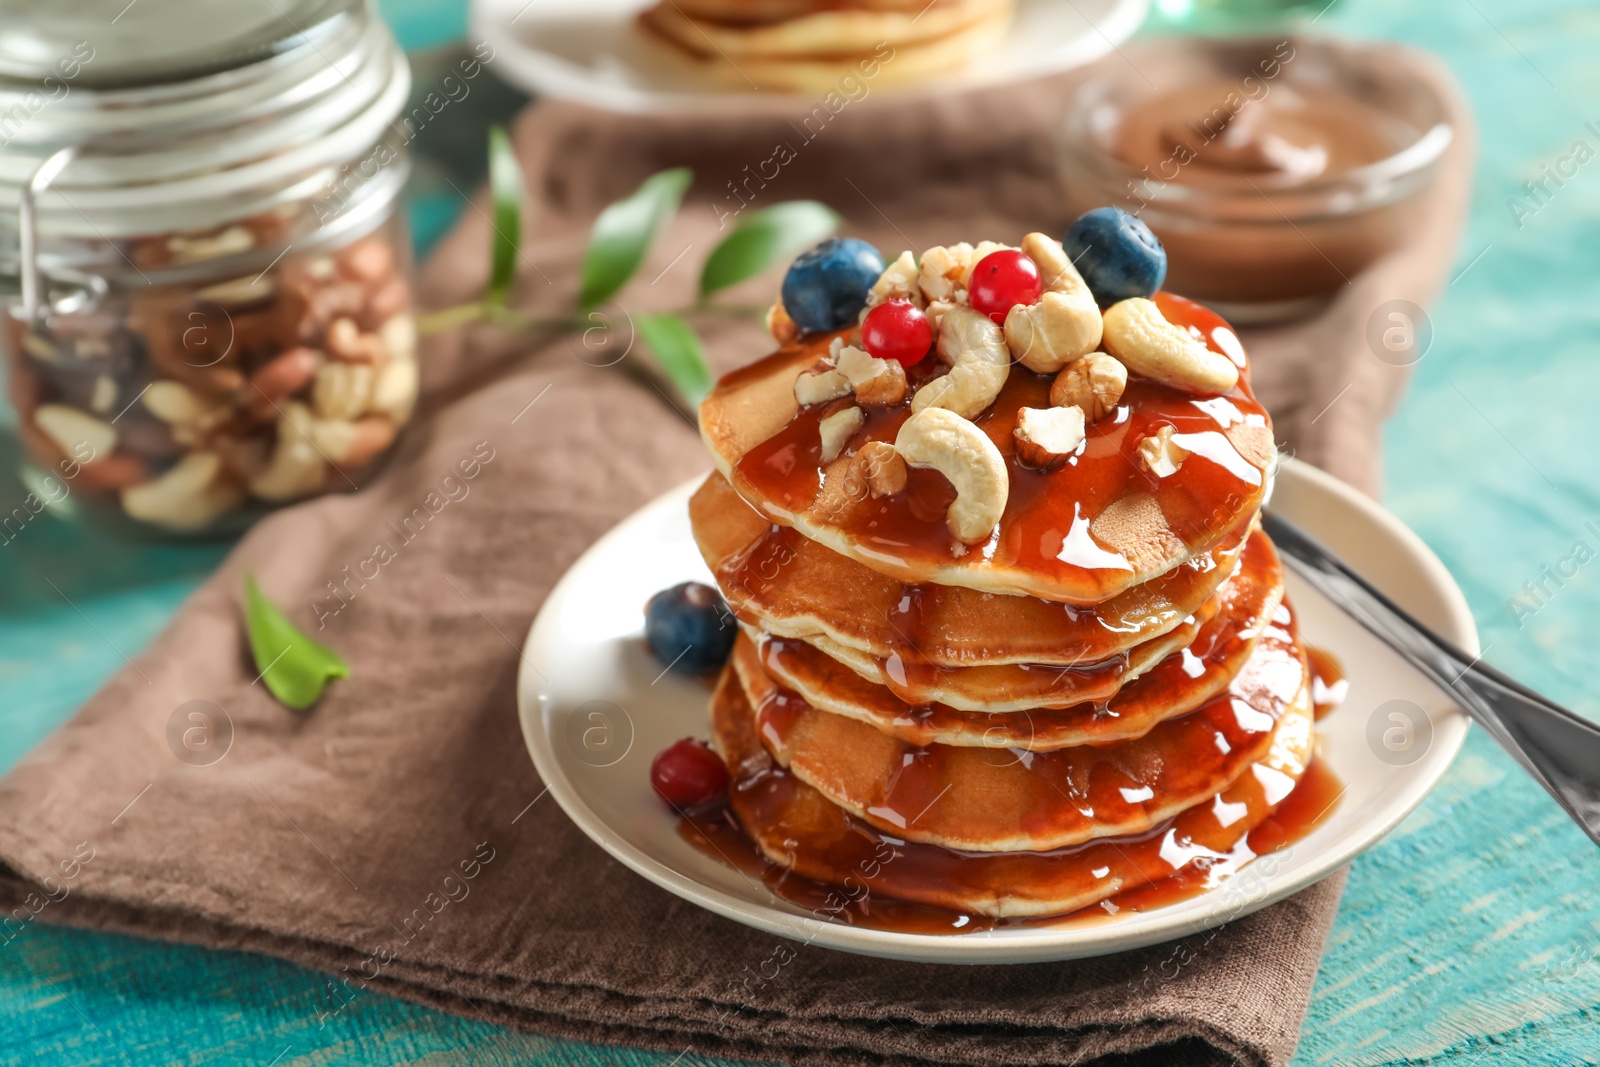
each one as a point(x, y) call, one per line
point(1048, 528)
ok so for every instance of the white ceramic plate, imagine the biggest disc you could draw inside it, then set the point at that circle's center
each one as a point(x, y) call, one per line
point(587, 50)
point(596, 708)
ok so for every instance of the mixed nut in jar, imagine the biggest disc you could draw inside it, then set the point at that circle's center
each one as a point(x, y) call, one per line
point(203, 271)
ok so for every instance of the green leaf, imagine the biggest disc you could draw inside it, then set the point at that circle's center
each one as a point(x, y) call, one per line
point(678, 351)
point(505, 190)
point(624, 232)
point(294, 667)
point(765, 237)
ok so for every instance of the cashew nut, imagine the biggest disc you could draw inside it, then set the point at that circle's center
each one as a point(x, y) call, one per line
point(176, 404)
point(979, 362)
point(296, 467)
point(952, 445)
point(1065, 324)
point(72, 431)
point(187, 497)
point(897, 282)
point(342, 390)
point(1093, 383)
point(399, 336)
point(837, 429)
point(186, 249)
point(395, 392)
point(877, 382)
point(1141, 337)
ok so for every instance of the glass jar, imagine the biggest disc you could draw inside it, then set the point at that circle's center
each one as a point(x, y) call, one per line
point(204, 278)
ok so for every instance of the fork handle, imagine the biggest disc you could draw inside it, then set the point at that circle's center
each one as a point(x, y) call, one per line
point(1559, 749)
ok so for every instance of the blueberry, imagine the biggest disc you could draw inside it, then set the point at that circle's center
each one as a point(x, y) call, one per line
point(689, 628)
point(826, 288)
point(1117, 255)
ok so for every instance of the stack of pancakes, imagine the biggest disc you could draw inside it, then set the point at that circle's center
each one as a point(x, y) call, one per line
point(809, 45)
point(1108, 691)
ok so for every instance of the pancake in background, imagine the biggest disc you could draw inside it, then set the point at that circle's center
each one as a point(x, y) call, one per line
point(796, 827)
point(1252, 599)
point(791, 586)
point(1082, 533)
point(784, 45)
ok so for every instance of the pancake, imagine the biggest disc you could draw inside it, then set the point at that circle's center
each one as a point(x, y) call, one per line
point(790, 586)
point(796, 827)
point(981, 800)
point(837, 30)
point(1015, 687)
point(760, 12)
point(1082, 533)
point(1179, 683)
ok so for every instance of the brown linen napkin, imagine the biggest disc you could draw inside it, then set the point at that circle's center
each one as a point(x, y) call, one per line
point(397, 837)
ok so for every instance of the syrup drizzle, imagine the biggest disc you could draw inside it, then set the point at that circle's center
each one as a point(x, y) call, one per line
point(1046, 529)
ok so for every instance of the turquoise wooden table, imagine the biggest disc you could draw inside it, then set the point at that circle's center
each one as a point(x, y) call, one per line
point(1471, 934)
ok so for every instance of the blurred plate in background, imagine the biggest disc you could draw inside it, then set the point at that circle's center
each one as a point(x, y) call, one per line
point(591, 52)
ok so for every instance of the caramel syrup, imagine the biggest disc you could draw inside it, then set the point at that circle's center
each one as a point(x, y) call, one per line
point(1045, 530)
point(716, 833)
point(1329, 686)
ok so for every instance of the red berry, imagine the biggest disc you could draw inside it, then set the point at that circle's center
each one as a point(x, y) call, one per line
point(687, 774)
point(1001, 280)
point(897, 330)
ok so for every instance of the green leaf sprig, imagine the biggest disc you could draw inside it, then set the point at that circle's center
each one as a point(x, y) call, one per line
point(624, 232)
point(619, 243)
point(295, 668)
point(505, 190)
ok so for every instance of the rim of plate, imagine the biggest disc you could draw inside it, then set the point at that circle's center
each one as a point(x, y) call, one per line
point(1019, 944)
point(549, 74)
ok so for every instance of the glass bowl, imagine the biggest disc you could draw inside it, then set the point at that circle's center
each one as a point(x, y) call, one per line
point(1270, 235)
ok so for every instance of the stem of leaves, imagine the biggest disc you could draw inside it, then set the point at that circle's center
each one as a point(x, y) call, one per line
point(619, 243)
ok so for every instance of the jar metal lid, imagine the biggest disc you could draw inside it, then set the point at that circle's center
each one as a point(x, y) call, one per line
point(252, 110)
point(154, 43)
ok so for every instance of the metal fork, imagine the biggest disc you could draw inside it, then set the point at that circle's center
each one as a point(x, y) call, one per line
point(1560, 749)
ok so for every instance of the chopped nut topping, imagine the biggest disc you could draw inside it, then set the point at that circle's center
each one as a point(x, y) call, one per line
point(1047, 437)
point(1160, 455)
